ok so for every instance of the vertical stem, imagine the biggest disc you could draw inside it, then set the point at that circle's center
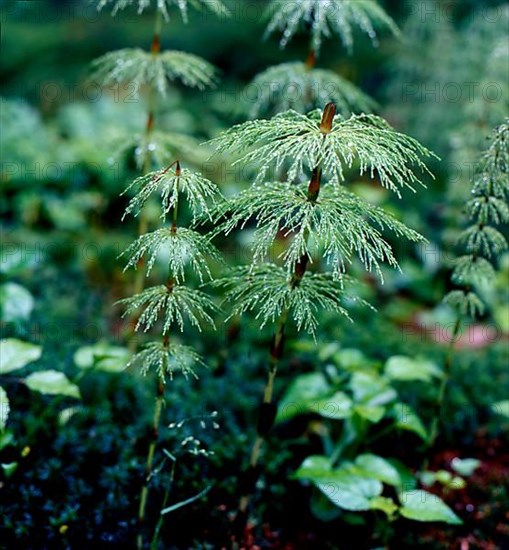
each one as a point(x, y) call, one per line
point(139, 275)
point(155, 48)
point(268, 408)
point(443, 384)
point(150, 460)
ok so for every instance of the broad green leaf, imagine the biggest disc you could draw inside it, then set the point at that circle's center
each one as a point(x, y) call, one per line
point(16, 303)
point(337, 406)
point(423, 506)
point(349, 491)
point(4, 408)
point(384, 504)
point(371, 389)
point(9, 468)
point(102, 357)
point(350, 359)
point(407, 419)
point(322, 507)
point(15, 354)
point(408, 481)
point(372, 413)
point(305, 390)
point(465, 466)
point(342, 486)
point(52, 382)
point(400, 367)
point(6, 439)
point(501, 407)
point(314, 467)
point(379, 468)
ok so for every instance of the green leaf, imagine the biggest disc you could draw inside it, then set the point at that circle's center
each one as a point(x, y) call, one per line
point(400, 367)
point(9, 468)
point(102, 357)
point(379, 468)
point(4, 408)
point(314, 467)
point(303, 391)
point(501, 407)
point(322, 507)
point(407, 419)
point(52, 382)
point(408, 481)
point(15, 354)
point(344, 487)
point(423, 506)
point(371, 389)
point(349, 492)
point(336, 407)
point(372, 413)
point(465, 466)
point(16, 303)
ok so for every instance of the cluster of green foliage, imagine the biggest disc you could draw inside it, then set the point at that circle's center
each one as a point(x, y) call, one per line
point(346, 437)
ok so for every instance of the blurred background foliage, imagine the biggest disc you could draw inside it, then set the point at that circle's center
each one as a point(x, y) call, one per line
point(79, 467)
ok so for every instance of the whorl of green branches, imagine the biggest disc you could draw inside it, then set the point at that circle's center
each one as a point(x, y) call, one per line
point(327, 17)
point(143, 68)
point(166, 358)
point(481, 241)
point(338, 225)
point(181, 246)
point(302, 88)
point(163, 6)
point(199, 192)
point(267, 289)
point(295, 142)
point(174, 303)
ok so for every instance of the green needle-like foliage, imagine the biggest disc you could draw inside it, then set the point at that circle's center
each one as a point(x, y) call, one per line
point(316, 216)
point(327, 17)
point(166, 359)
point(173, 303)
point(338, 224)
point(163, 6)
point(268, 290)
point(302, 88)
point(199, 192)
point(182, 247)
point(481, 240)
point(296, 142)
point(143, 68)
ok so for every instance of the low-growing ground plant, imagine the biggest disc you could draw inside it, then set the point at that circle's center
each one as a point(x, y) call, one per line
point(321, 220)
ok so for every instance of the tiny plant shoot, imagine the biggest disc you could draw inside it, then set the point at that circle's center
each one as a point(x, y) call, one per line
point(321, 219)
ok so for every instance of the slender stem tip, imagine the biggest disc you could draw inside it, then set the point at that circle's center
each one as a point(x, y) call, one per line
point(328, 116)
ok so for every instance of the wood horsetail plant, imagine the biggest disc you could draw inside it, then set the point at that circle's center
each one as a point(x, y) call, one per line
point(321, 218)
point(481, 242)
point(187, 251)
point(300, 85)
point(173, 303)
point(152, 72)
